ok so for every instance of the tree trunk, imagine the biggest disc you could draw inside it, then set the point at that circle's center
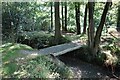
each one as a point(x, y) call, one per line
point(91, 25)
point(118, 18)
point(51, 17)
point(100, 27)
point(65, 16)
point(63, 25)
point(77, 12)
point(79, 29)
point(57, 23)
point(85, 21)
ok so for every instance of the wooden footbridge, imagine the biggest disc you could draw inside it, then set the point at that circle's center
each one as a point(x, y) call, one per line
point(56, 50)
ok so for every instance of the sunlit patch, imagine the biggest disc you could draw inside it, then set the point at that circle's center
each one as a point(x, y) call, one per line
point(33, 55)
point(4, 45)
point(12, 47)
point(54, 75)
point(6, 62)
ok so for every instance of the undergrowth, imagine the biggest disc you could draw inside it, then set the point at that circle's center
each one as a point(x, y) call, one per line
point(40, 39)
point(16, 65)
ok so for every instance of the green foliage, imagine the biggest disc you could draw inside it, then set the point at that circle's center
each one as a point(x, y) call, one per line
point(39, 39)
point(9, 54)
point(84, 53)
point(33, 16)
point(9, 51)
point(22, 66)
point(114, 47)
point(111, 15)
point(10, 20)
point(47, 64)
point(35, 39)
point(27, 16)
point(63, 40)
point(71, 29)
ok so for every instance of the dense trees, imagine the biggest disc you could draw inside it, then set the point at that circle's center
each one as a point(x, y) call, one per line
point(45, 24)
point(18, 19)
point(26, 16)
point(11, 20)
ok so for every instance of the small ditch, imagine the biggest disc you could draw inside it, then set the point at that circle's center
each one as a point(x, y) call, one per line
point(83, 69)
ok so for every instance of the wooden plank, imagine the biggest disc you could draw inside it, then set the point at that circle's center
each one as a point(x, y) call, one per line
point(66, 51)
point(55, 50)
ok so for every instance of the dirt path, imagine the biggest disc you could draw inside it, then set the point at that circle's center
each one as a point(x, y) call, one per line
point(85, 70)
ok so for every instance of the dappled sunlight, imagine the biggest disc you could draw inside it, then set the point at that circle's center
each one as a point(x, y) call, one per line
point(21, 73)
point(33, 55)
point(13, 47)
point(54, 75)
point(6, 45)
point(60, 40)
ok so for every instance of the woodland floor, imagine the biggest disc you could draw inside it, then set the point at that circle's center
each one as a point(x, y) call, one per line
point(86, 70)
point(81, 69)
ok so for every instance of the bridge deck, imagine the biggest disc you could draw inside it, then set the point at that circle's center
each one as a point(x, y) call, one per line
point(56, 50)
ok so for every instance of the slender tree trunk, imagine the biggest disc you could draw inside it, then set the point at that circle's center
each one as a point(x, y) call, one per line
point(77, 12)
point(51, 16)
point(118, 18)
point(57, 23)
point(63, 25)
point(65, 16)
point(100, 27)
point(79, 29)
point(91, 25)
point(85, 21)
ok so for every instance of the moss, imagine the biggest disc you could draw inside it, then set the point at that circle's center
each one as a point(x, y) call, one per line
point(10, 51)
point(21, 66)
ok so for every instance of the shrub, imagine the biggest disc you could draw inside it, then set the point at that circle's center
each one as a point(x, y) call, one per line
point(34, 39)
point(39, 39)
point(115, 49)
